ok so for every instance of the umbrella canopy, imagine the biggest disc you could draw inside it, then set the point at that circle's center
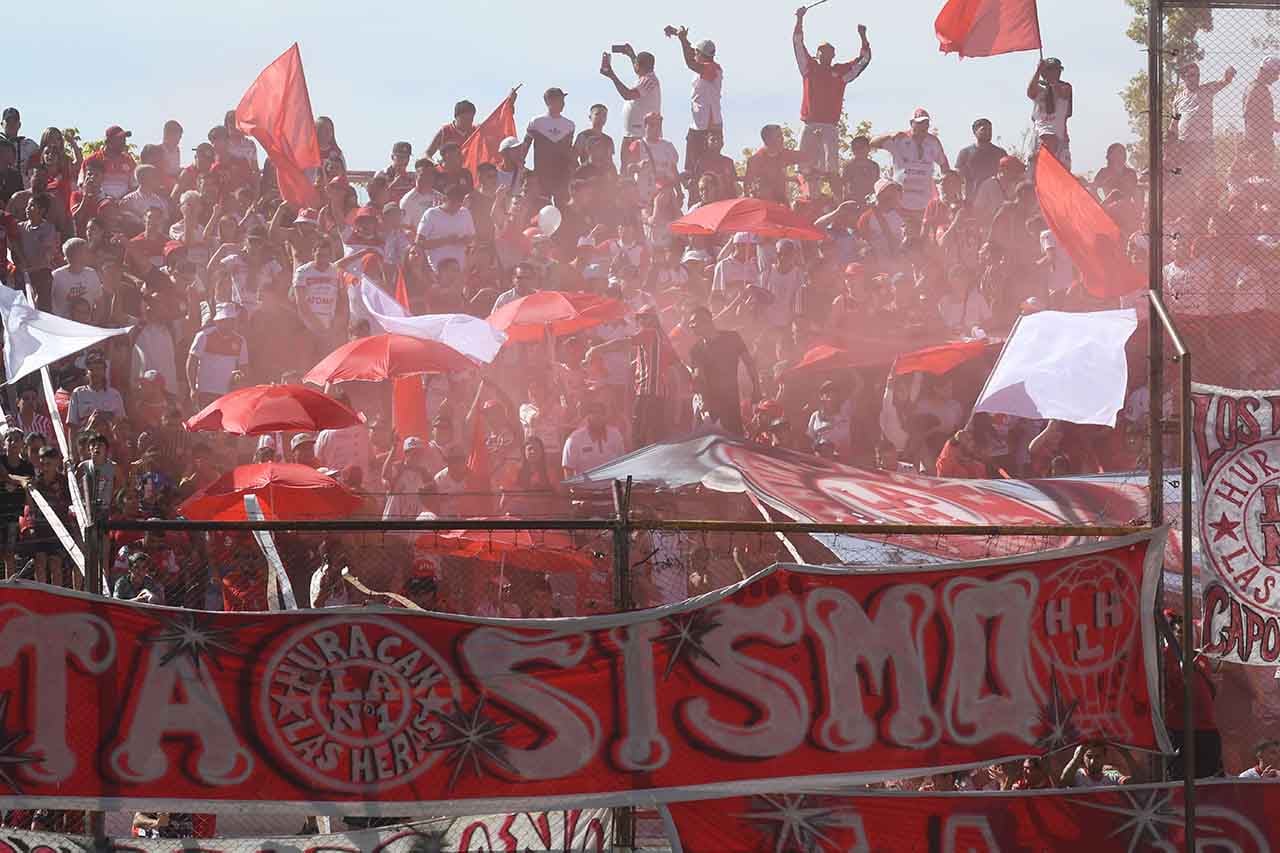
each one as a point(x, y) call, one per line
point(263, 409)
point(526, 319)
point(285, 491)
point(752, 215)
point(381, 357)
point(538, 551)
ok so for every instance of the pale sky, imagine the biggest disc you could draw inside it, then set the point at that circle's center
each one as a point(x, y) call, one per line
point(386, 71)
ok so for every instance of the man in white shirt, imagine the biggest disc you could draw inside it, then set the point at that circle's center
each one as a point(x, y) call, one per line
point(149, 195)
point(704, 101)
point(217, 351)
point(1052, 102)
point(1267, 754)
point(738, 271)
point(1088, 768)
point(641, 100)
point(423, 196)
point(551, 136)
point(75, 280)
point(95, 395)
point(654, 161)
point(349, 447)
point(447, 231)
point(1188, 281)
point(315, 292)
point(328, 589)
point(829, 422)
point(783, 279)
point(915, 156)
point(592, 444)
point(1193, 113)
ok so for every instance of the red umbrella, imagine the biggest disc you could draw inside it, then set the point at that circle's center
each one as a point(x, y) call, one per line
point(387, 357)
point(538, 551)
point(272, 408)
point(526, 319)
point(752, 215)
point(285, 491)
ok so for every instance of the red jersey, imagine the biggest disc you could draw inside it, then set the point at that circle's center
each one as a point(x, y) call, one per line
point(117, 175)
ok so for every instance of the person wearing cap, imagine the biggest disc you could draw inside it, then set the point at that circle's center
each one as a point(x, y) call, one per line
point(447, 230)
point(253, 269)
point(1052, 104)
point(825, 81)
point(704, 101)
point(524, 281)
point(217, 351)
point(302, 449)
point(399, 179)
point(1260, 125)
point(916, 154)
point(785, 281)
point(424, 194)
point(24, 149)
point(551, 137)
point(404, 475)
point(200, 167)
point(738, 271)
point(95, 395)
point(118, 166)
point(979, 161)
point(766, 176)
point(76, 279)
point(512, 176)
point(598, 116)
point(456, 131)
point(639, 100)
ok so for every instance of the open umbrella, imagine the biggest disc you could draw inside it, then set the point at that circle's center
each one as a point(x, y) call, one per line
point(526, 319)
point(285, 491)
point(537, 551)
point(381, 357)
point(263, 409)
point(752, 215)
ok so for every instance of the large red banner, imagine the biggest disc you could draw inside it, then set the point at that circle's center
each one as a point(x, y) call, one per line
point(1229, 816)
point(798, 675)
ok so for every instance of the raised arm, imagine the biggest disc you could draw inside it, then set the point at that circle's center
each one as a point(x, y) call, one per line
point(1034, 87)
point(864, 57)
point(797, 42)
point(606, 69)
point(690, 55)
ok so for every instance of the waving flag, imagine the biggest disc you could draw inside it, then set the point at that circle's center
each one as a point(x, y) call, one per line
point(276, 111)
point(482, 145)
point(987, 27)
point(34, 339)
point(1090, 236)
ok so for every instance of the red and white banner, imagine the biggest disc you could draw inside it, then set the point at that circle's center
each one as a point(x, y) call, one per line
point(1230, 816)
point(987, 27)
point(797, 676)
point(578, 831)
point(1237, 463)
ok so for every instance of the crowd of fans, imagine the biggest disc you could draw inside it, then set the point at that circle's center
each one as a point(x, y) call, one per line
point(227, 286)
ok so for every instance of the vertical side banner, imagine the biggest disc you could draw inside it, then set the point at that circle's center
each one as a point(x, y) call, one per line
point(1237, 464)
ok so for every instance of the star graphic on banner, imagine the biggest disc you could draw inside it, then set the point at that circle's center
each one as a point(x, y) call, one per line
point(1148, 813)
point(1058, 719)
point(186, 636)
point(291, 703)
point(797, 821)
point(473, 736)
point(1224, 528)
point(10, 756)
point(686, 638)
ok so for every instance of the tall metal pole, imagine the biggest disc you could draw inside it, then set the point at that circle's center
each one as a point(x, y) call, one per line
point(1188, 618)
point(624, 818)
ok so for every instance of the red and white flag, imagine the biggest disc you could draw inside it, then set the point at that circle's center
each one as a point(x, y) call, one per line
point(987, 27)
point(1087, 232)
point(276, 111)
point(482, 145)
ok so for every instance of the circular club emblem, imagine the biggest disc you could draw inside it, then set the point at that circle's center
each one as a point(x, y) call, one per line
point(353, 703)
point(1090, 607)
point(1240, 524)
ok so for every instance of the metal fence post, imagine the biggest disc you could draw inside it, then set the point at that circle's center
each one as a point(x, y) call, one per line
point(624, 817)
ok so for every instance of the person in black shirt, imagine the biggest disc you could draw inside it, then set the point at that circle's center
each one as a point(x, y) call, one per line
point(714, 360)
point(980, 160)
point(17, 471)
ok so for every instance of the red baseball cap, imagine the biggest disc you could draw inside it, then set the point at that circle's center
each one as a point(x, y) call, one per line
point(117, 130)
point(171, 247)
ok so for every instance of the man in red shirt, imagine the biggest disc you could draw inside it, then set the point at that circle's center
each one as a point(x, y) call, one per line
point(117, 165)
point(456, 131)
point(960, 458)
point(824, 84)
point(767, 168)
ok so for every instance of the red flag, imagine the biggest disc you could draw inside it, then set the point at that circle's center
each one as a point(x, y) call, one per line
point(987, 27)
point(1085, 231)
point(276, 111)
point(408, 395)
point(482, 145)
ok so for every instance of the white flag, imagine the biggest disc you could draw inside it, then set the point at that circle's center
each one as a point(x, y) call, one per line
point(34, 339)
point(469, 335)
point(1063, 366)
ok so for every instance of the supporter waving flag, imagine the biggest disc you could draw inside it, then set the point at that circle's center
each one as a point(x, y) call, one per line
point(482, 145)
point(276, 111)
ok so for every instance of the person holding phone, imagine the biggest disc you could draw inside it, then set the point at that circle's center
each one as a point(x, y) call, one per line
point(643, 98)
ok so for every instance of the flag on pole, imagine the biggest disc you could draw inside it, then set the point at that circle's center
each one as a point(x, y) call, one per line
point(482, 145)
point(987, 27)
point(1063, 366)
point(1087, 233)
point(408, 394)
point(276, 111)
point(34, 339)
